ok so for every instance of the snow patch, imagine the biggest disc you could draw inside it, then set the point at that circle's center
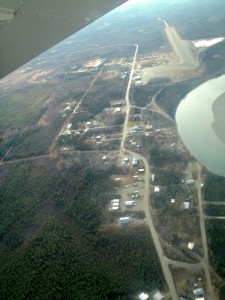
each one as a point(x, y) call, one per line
point(208, 43)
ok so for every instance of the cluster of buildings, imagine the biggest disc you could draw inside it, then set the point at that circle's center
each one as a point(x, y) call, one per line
point(153, 296)
point(114, 205)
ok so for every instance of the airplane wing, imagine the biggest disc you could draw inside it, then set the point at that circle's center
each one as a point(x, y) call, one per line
point(29, 27)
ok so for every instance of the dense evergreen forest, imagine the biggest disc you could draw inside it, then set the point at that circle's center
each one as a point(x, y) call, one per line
point(217, 245)
point(214, 189)
point(57, 242)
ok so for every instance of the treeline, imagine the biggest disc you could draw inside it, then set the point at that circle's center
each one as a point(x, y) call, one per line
point(102, 93)
point(215, 210)
point(53, 244)
point(35, 141)
point(64, 262)
point(167, 177)
point(170, 97)
point(76, 141)
point(143, 94)
point(216, 240)
point(161, 157)
point(214, 188)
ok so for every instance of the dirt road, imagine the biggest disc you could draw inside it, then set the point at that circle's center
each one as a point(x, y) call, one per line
point(146, 203)
point(128, 105)
point(205, 259)
point(165, 261)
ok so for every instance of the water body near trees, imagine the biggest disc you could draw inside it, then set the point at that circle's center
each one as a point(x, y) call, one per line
point(200, 119)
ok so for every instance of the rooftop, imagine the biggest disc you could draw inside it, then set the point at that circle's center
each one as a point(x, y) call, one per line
point(143, 296)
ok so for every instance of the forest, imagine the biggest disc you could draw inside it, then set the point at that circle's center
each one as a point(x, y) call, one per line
point(57, 240)
point(214, 188)
point(217, 245)
point(161, 157)
point(142, 95)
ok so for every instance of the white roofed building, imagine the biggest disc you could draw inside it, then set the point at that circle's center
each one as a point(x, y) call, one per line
point(158, 296)
point(156, 189)
point(143, 296)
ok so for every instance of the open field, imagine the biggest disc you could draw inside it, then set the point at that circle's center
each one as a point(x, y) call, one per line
point(22, 107)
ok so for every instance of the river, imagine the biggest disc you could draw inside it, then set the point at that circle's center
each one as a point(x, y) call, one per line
point(200, 119)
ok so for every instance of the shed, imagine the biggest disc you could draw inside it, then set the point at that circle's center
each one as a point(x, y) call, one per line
point(198, 292)
point(118, 179)
point(133, 143)
point(191, 245)
point(190, 182)
point(129, 203)
point(143, 296)
point(141, 170)
point(135, 161)
point(115, 201)
point(136, 128)
point(153, 177)
point(158, 296)
point(156, 189)
point(186, 205)
point(115, 208)
point(125, 220)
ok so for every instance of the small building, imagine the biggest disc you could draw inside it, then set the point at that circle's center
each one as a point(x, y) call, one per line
point(141, 170)
point(135, 161)
point(118, 179)
point(143, 296)
point(117, 109)
point(158, 296)
point(115, 201)
point(136, 128)
point(191, 245)
point(172, 200)
point(189, 182)
point(115, 208)
point(129, 203)
point(125, 220)
point(186, 205)
point(198, 292)
point(135, 194)
point(153, 177)
point(156, 189)
point(137, 77)
point(115, 204)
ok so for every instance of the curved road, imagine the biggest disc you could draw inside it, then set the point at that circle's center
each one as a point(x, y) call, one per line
point(164, 264)
point(165, 261)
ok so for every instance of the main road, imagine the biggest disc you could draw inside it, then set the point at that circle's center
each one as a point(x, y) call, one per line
point(146, 203)
point(205, 259)
point(165, 261)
